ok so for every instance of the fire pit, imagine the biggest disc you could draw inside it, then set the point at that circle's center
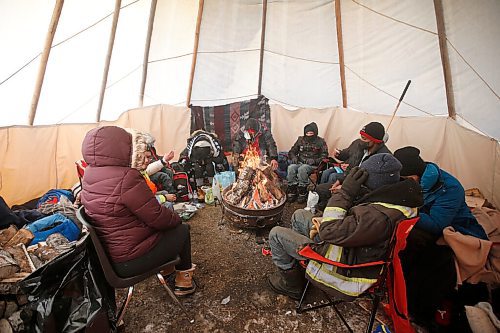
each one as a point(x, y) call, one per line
point(255, 200)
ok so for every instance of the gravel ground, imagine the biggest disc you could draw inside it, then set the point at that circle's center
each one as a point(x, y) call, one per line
point(232, 294)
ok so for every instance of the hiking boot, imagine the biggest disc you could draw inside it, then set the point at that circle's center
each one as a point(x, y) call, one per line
point(184, 283)
point(302, 198)
point(289, 283)
point(291, 193)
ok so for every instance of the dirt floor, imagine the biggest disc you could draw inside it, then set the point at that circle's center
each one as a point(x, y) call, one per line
point(233, 294)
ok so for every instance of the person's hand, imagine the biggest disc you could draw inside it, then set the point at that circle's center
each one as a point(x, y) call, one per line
point(168, 157)
point(274, 164)
point(315, 227)
point(294, 160)
point(335, 186)
point(171, 197)
point(354, 180)
point(344, 166)
point(336, 152)
point(311, 161)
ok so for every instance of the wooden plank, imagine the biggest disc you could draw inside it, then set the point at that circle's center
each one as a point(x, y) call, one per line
point(56, 13)
point(195, 51)
point(147, 47)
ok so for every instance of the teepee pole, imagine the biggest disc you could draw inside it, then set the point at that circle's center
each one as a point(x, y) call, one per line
point(56, 13)
point(340, 45)
point(195, 51)
point(146, 51)
point(445, 59)
point(111, 43)
point(262, 43)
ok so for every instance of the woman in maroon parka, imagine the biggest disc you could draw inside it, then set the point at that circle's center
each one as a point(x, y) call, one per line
point(138, 232)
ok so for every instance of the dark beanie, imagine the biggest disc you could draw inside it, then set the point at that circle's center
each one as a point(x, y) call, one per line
point(312, 127)
point(253, 124)
point(383, 169)
point(373, 131)
point(413, 164)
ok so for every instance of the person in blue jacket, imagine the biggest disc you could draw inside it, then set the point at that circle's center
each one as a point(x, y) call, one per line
point(429, 268)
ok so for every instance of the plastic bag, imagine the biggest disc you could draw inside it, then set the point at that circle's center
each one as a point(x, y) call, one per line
point(70, 293)
point(221, 181)
point(312, 201)
point(209, 195)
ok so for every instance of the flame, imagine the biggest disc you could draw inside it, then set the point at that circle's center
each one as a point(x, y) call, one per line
point(251, 159)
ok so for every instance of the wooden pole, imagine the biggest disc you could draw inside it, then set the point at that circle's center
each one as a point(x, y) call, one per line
point(445, 60)
point(56, 13)
point(340, 45)
point(195, 51)
point(262, 43)
point(111, 43)
point(146, 51)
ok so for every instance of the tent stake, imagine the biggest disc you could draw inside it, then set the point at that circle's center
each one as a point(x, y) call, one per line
point(44, 59)
point(111, 43)
point(340, 45)
point(146, 51)
point(262, 43)
point(445, 60)
point(195, 51)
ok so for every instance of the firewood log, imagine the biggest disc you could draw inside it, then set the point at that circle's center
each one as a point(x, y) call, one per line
point(8, 266)
point(19, 256)
point(7, 234)
point(23, 236)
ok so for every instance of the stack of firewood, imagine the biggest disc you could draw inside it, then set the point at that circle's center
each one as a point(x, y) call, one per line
point(255, 188)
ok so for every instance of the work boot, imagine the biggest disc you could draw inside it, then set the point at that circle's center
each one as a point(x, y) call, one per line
point(289, 283)
point(302, 198)
point(291, 193)
point(184, 284)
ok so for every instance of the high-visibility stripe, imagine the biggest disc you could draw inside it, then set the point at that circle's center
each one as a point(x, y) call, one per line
point(408, 212)
point(333, 213)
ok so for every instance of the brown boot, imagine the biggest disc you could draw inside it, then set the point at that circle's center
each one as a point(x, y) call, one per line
point(166, 272)
point(184, 284)
point(290, 282)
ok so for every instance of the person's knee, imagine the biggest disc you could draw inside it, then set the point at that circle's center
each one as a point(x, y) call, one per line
point(274, 235)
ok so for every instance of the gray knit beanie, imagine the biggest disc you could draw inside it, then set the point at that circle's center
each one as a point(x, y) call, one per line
point(383, 169)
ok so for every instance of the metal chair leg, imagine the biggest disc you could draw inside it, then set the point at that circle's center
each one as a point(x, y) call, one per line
point(298, 308)
point(376, 301)
point(173, 296)
point(121, 312)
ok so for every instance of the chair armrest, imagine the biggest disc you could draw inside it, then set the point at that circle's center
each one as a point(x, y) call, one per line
point(309, 253)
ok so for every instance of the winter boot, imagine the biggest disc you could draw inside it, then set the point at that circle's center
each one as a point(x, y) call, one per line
point(302, 198)
point(184, 284)
point(291, 193)
point(290, 282)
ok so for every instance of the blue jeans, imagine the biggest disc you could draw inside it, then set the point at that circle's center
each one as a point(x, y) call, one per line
point(330, 176)
point(299, 173)
point(286, 242)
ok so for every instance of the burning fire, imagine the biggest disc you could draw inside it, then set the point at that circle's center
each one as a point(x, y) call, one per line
point(257, 186)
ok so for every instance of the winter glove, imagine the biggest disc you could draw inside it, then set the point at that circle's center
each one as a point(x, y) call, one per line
point(353, 181)
point(294, 160)
point(311, 161)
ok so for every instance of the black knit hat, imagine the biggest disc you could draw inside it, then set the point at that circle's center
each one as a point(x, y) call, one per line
point(413, 164)
point(383, 169)
point(311, 127)
point(373, 131)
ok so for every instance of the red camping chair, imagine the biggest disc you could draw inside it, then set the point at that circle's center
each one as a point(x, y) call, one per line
point(390, 283)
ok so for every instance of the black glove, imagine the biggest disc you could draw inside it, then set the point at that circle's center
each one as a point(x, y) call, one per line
point(311, 161)
point(294, 160)
point(352, 183)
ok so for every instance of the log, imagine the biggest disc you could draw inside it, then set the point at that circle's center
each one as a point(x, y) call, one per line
point(7, 234)
point(8, 266)
point(19, 256)
point(23, 236)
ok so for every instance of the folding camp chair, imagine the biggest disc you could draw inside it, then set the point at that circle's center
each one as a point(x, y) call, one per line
point(390, 282)
point(117, 281)
point(315, 175)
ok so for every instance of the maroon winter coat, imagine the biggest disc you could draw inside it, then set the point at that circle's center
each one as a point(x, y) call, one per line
point(127, 217)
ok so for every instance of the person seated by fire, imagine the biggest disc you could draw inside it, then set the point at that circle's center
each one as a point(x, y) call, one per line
point(372, 141)
point(202, 158)
point(256, 138)
point(356, 227)
point(305, 155)
point(137, 232)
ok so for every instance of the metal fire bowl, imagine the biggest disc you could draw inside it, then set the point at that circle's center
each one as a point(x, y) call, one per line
point(251, 218)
